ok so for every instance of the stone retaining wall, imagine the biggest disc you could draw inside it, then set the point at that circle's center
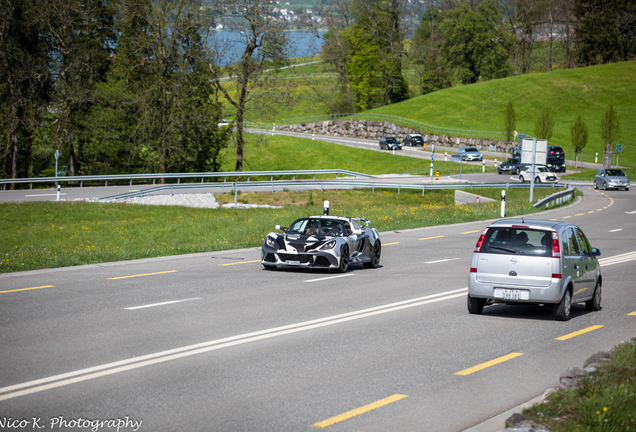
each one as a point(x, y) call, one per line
point(375, 130)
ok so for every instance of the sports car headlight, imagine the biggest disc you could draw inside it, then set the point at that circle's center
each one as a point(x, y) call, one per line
point(271, 242)
point(328, 245)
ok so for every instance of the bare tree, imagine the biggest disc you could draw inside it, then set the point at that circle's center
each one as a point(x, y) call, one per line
point(523, 16)
point(336, 51)
point(610, 133)
point(564, 13)
point(245, 68)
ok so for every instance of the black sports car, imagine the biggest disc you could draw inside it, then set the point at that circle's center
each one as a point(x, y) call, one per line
point(329, 242)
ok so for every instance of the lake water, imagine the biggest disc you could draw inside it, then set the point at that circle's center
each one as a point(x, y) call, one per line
point(302, 44)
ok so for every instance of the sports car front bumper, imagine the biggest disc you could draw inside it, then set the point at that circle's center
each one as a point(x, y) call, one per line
point(317, 259)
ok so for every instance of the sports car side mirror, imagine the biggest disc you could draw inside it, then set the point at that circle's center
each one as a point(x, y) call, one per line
point(280, 228)
point(356, 232)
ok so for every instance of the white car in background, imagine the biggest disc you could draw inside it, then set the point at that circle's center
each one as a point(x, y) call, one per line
point(541, 174)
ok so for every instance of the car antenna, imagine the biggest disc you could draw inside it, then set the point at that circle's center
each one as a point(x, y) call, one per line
point(522, 221)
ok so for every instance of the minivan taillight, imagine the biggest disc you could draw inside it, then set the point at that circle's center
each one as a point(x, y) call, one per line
point(556, 251)
point(481, 240)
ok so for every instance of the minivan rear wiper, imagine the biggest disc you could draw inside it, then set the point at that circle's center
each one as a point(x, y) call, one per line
point(503, 249)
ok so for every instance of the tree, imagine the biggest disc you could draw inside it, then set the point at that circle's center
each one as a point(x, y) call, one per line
point(425, 52)
point(523, 16)
point(476, 42)
point(610, 133)
point(579, 135)
point(246, 70)
point(335, 51)
point(160, 54)
point(24, 85)
point(544, 125)
point(510, 122)
point(605, 30)
point(79, 35)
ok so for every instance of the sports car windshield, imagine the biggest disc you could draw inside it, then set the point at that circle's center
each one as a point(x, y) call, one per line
point(324, 227)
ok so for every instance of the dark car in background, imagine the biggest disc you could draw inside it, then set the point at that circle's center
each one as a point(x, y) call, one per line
point(555, 159)
point(413, 140)
point(390, 143)
point(510, 166)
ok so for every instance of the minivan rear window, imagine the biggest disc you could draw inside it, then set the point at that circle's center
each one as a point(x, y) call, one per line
point(518, 241)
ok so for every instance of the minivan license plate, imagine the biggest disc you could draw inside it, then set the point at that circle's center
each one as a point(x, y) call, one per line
point(511, 294)
point(293, 262)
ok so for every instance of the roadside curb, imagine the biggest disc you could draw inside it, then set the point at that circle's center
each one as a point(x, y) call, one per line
point(498, 422)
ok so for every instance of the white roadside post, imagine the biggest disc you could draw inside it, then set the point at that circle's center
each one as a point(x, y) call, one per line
point(432, 162)
point(503, 203)
point(325, 208)
point(57, 185)
point(483, 165)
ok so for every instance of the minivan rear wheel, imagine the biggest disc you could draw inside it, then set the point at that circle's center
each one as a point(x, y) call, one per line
point(563, 309)
point(475, 305)
point(595, 303)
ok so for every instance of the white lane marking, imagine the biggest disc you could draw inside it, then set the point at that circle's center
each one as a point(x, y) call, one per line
point(330, 277)
point(439, 261)
point(616, 230)
point(629, 256)
point(42, 384)
point(39, 195)
point(161, 304)
point(632, 212)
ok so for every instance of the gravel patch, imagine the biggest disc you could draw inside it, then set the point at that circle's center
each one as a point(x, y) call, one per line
point(203, 200)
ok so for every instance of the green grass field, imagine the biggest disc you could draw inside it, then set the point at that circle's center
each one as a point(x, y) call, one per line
point(567, 93)
point(51, 234)
point(277, 152)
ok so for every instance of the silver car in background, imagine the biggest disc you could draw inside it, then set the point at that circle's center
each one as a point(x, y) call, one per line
point(470, 154)
point(534, 261)
point(611, 179)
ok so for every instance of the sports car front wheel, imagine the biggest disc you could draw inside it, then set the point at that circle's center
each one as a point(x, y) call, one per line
point(344, 259)
point(375, 257)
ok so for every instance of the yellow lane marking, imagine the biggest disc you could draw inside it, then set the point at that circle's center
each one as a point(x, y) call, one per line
point(632, 313)
point(428, 238)
point(566, 217)
point(240, 262)
point(580, 332)
point(581, 290)
point(591, 211)
point(580, 214)
point(599, 209)
point(145, 274)
point(488, 364)
point(389, 244)
point(25, 289)
point(358, 411)
point(471, 232)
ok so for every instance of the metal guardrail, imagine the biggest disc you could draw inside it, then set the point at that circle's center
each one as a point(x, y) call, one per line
point(556, 198)
point(235, 186)
point(401, 121)
point(179, 176)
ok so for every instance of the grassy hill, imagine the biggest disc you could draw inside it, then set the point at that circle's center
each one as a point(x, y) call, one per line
point(586, 91)
point(568, 93)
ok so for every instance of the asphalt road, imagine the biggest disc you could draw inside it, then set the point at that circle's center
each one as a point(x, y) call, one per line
point(212, 342)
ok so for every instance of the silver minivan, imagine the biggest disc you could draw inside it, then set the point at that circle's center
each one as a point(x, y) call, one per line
point(550, 263)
